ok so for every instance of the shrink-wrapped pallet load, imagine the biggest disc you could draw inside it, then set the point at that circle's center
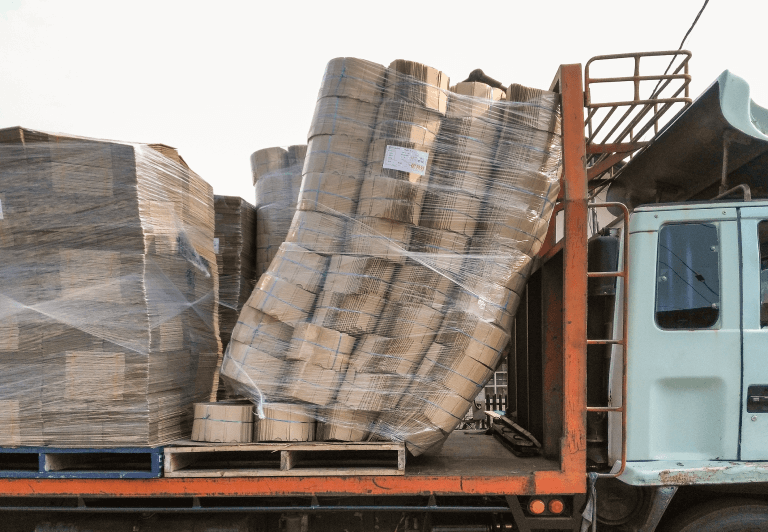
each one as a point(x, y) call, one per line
point(109, 286)
point(428, 204)
point(277, 179)
point(235, 246)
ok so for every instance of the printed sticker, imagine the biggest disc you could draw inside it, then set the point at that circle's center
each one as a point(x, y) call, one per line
point(406, 160)
point(215, 245)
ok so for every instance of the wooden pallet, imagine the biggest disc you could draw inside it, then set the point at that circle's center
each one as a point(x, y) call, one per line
point(60, 462)
point(193, 459)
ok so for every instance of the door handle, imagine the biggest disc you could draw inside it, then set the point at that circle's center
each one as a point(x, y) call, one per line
point(757, 398)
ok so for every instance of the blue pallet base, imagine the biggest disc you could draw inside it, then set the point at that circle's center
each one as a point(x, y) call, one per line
point(60, 462)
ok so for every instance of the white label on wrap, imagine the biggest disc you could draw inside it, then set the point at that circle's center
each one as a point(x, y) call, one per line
point(406, 160)
point(1, 210)
point(215, 245)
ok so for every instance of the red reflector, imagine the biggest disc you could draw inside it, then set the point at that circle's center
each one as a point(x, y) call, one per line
point(536, 506)
point(556, 506)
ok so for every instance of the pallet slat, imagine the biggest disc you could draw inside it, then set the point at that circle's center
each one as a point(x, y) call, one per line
point(285, 459)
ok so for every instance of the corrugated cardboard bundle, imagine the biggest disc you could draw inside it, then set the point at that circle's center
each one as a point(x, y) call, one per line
point(108, 292)
point(285, 422)
point(233, 244)
point(277, 180)
point(428, 206)
point(223, 422)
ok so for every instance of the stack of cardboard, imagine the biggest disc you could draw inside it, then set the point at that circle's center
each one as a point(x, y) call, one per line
point(421, 208)
point(235, 247)
point(277, 179)
point(109, 289)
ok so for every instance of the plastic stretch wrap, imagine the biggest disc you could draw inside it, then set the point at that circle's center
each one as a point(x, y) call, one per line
point(277, 174)
point(108, 292)
point(420, 210)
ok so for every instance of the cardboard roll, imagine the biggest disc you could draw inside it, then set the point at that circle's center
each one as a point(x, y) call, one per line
point(510, 270)
point(518, 154)
point(261, 331)
point(285, 422)
point(534, 108)
point(377, 160)
point(404, 292)
point(436, 242)
point(377, 237)
point(296, 154)
point(343, 116)
point(310, 383)
point(281, 299)
point(470, 133)
point(461, 329)
point(453, 211)
point(476, 158)
point(417, 83)
point(474, 99)
point(538, 191)
point(444, 409)
point(493, 303)
point(409, 320)
point(343, 424)
point(413, 428)
point(351, 274)
point(353, 314)
point(227, 421)
point(513, 225)
point(372, 391)
point(379, 354)
point(353, 78)
point(277, 187)
point(329, 193)
point(392, 199)
point(268, 161)
point(254, 373)
point(449, 180)
point(406, 122)
point(437, 272)
point(274, 219)
point(319, 346)
point(336, 154)
point(318, 232)
point(465, 376)
point(299, 266)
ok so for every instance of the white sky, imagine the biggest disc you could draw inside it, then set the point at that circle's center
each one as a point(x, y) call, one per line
point(219, 80)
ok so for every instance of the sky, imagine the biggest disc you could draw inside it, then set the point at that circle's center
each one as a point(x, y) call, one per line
point(220, 80)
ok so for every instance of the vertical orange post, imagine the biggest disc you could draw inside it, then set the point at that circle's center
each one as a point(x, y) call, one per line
point(574, 312)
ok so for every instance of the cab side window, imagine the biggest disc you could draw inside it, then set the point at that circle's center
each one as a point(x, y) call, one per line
point(762, 233)
point(688, 276)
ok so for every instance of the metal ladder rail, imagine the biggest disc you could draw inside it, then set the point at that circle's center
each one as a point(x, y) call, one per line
point(624, 275)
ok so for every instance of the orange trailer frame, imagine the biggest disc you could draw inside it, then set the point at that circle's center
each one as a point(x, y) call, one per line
point(564, 375)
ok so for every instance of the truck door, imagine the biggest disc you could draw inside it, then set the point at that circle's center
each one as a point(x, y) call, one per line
point(684, 370)
point(754, 413)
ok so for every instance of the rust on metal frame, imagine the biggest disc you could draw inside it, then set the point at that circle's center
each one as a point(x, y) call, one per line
point(570, 478)
point(622, 138)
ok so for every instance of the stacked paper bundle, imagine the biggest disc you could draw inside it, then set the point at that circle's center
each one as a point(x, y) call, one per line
point(108, 292)
point(235, 247)
point(277, 179)
point(420, 210)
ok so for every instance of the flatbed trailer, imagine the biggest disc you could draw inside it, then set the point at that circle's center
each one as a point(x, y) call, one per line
point(477, 469)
